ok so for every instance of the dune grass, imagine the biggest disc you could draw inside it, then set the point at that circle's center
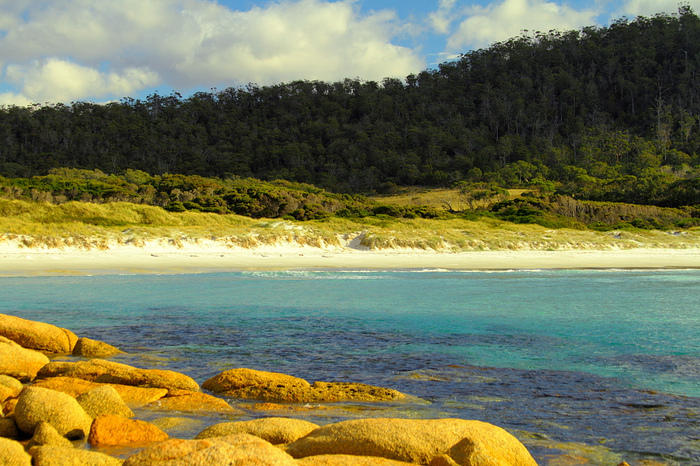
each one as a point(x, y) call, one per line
point(96, 225)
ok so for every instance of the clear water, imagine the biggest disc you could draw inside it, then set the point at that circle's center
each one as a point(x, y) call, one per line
point(606, 358)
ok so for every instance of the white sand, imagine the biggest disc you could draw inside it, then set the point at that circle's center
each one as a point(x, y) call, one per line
point(160, 257)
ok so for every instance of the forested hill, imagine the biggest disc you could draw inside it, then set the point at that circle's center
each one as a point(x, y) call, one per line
point(609, 113)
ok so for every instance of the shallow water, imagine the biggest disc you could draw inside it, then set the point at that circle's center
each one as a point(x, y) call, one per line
point(606, 359)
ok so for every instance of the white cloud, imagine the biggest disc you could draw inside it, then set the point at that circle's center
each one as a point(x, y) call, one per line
point(56, 80)
point(501, 21)
point(442, 19)
point(634, 8)
point(308, 39)
point(83, 49)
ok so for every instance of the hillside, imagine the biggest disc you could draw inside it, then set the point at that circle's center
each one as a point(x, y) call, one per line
point(607, 114)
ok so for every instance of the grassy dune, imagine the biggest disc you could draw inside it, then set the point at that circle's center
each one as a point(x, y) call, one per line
point(98, 225)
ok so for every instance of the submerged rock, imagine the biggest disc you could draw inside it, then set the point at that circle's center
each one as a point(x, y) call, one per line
point(37, 335)
point(276, 430)
point(272, 386)
point(113, 430)
point(52, 455)
point(132, 396)
point(101, 371)
point(178, 426)
point(349, 460)
point(103, 400)
point(37, 404)
point(12, 453)
point(89, 348)
point(18, 362)
point(240, 449)
point(197, 402)
point(416, 441)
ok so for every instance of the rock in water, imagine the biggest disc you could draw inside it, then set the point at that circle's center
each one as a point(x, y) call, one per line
point(249, 383)
point(37, 335)
point(276, 430)
point(344, 391)
point(103, 399)
point(20, 363)
point(51, 455)
point(89, 348)
point(415, 441)
point(113, 430)
point(271, 386)
point(37, 404)
point(193, 402)
point(101, 371)
point(240, 449)
point(350, 460)
point(12, 453)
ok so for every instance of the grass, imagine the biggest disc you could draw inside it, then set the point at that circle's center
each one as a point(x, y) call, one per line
point(436, 198)
point(96, 225)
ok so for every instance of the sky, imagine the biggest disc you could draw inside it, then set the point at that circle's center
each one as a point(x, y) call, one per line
point(63, 51)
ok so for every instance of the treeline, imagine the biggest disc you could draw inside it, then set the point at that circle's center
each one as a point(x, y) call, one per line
point(604, 113)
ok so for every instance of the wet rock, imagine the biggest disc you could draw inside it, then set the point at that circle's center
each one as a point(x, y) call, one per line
point(112, 430)
point(342, 391)
point(412, 441)
point(89, 348)
point(46, 434)
point(51, 455)
point(348, 460)
point(177, 426)
point(8, 428)
point(283, 409)
point(240, 449)
point(101, 371)
point(271, 386)
point(132, 396)
point(276, 430)
point(37, 335)
point(9, 387)
point(103, 400)
point(249, 383)
point(37, 404)
point(18, 362)
point(193, 402)
point(12, 453)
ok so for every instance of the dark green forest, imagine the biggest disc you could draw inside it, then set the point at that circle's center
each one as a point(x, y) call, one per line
point(602, 114)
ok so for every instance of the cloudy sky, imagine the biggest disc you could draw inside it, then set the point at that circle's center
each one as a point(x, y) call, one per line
point(101, 50)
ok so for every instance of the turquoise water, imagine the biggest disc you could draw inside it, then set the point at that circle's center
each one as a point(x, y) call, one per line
point(603, 357)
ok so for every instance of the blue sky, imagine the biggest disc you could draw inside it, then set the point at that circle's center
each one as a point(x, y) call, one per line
point(102, 50)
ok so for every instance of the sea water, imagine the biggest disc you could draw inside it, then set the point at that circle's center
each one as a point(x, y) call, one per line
point(603, 364)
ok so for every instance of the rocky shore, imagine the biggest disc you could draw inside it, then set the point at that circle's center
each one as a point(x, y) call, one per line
point(79, 409)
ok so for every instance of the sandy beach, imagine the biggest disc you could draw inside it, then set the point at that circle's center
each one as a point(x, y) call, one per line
point(161, 257)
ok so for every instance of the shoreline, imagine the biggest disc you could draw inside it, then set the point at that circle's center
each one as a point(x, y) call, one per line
point(159, 258)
